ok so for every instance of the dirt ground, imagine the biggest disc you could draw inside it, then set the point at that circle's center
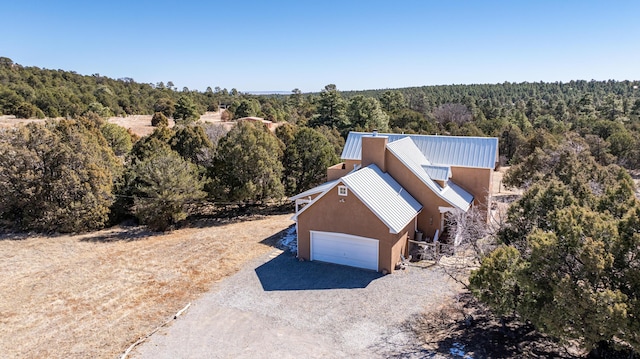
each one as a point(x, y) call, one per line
point(93, 295)
point(10, 121)
point(499, 190)
point(462, 327)
point(279, 307)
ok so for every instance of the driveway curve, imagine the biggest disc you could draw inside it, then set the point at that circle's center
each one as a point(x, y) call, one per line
point(277, 307)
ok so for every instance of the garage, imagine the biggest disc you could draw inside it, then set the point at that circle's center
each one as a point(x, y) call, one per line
point(345, 249)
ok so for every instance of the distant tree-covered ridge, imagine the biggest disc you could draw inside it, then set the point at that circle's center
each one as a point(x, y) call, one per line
point(32, 92)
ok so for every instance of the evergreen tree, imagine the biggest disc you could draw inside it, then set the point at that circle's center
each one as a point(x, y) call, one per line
point(569, 256)
point(165, 106)
point(247, 164)
point(165, 185)
point(331, 110)
point(365, 114)
point(159, 119)
point(306, 159)
point(192, 143)
point(119, 139)
point(56, 177)
point(186, 111)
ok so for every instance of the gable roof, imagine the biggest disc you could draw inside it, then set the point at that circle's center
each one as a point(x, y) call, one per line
point(408, 153)
point(377, 190)
point(462, 151)
point(319, 189)
point(394, 206)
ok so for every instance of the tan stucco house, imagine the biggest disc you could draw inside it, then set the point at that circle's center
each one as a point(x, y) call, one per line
point(388, 188)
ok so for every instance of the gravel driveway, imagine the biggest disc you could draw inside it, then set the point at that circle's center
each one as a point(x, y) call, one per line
point(277, 307)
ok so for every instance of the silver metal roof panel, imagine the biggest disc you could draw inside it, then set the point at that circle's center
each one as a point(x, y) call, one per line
point(438, 172)
point(462, 151)
point(394, 206)
point(408, 153)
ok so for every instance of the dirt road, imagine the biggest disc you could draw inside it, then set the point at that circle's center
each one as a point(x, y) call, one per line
point(277, 307)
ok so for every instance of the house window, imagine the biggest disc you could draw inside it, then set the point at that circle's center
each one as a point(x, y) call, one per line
point(342, 190)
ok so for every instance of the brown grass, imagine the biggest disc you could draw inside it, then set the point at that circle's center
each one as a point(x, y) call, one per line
point(92, 295)
point(138, 124)
point(141, 124)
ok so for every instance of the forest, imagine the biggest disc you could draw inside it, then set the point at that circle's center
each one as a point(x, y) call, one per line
point(567, 257)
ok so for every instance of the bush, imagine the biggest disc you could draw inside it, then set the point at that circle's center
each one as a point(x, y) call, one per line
point(118, 137)
point(56, 177)
point(159, 119)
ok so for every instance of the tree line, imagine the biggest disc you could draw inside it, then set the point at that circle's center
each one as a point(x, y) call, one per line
point(83, 174)
point(528, 118)
point(605, 113)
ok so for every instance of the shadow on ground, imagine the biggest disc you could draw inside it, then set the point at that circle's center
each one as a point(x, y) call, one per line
point(466, 328)
point(129, 234)
point(285, 272)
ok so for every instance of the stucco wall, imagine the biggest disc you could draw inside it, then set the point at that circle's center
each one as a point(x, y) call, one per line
point(341, 169)
point(373, 149)
point(351, 216)
point(477, 181)
point(429, 218)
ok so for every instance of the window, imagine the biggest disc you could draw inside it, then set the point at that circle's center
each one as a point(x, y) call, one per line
point(342, 190)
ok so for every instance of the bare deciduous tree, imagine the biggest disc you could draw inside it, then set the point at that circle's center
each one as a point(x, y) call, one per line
point(452, 112)
point(472, 238)
point(215, 132)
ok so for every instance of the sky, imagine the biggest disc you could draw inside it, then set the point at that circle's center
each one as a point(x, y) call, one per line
point(281, 45)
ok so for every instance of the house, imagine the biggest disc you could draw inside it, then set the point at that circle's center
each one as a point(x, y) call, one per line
point(267, 123)
point(389, 189)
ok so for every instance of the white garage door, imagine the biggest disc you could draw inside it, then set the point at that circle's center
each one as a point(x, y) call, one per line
point(344, 249)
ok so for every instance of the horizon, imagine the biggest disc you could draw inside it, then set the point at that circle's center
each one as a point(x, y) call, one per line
point(285, 92)
point(257, 47)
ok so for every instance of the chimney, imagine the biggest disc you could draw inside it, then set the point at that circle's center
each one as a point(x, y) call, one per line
point(373, 149)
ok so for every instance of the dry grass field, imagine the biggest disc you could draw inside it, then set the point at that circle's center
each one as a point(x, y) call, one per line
point(141, 124)
point(138, 124)
point(93, 295)
point(10, 121)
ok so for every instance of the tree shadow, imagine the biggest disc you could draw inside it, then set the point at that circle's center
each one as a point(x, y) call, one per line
point(9, 234)
point(285, 272)
point(127, 235)
point(130, 230)
point(506, 198)
point(238, 212)
point(468, 329)
point(14, 236)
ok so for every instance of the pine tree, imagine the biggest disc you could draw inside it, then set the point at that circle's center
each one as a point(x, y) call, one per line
point(165, 184)
point(247, 164)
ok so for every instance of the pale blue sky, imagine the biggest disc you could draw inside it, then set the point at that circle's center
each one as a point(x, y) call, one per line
point(282, 45)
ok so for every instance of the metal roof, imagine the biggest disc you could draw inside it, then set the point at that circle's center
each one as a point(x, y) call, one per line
point(409, 154)
point(394, 206)
point(438, 173)
point(457, 196)
point(463, 151)
point(319, 189)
